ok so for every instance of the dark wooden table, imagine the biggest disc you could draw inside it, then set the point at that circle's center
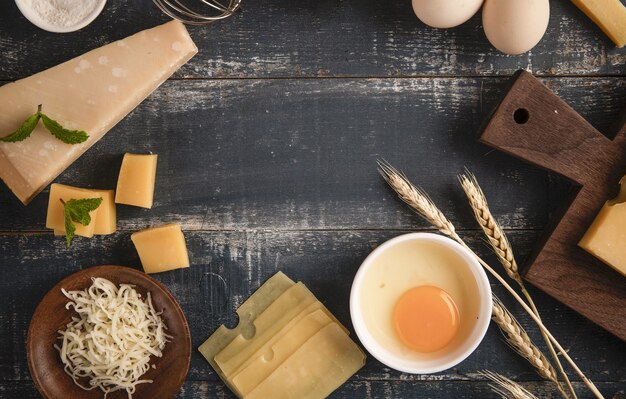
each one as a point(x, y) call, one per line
point(267, 144)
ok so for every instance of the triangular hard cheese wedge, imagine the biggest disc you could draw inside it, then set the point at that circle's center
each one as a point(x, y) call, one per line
point(92, 92)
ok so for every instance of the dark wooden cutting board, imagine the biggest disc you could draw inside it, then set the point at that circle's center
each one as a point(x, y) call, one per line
point(535, 125)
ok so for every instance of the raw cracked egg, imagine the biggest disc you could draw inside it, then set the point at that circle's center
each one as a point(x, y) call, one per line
point(515, 26)
point(420, 303)
point(445, 13)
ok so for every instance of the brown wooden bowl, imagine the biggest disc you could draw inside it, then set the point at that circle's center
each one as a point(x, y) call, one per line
point(50, 316)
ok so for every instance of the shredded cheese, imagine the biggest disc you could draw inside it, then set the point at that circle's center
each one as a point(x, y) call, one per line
point(113, 337)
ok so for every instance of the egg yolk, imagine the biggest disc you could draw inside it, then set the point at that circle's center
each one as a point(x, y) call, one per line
point(426, 318)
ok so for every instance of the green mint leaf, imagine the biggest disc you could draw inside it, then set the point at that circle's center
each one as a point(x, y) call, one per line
point(24, 131)
point(77, 211)
point(66, 136)
point(69, 227)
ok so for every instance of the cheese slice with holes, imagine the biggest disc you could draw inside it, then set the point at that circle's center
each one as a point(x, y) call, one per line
point(321, 365)
point(269, 358)
point(92, 92)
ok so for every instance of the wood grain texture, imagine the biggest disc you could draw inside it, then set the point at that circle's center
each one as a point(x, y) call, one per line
point(267, 142)
point(302, 155)
point(312, 38)
point(352, 389)
point(551, 135)
point(229, 266)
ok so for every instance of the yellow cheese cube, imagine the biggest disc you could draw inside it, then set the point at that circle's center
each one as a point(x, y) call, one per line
point(105, 222)
point(606, 238)
point(56, 217)
point(609, 15)
point(135, 184)
point(161, 248)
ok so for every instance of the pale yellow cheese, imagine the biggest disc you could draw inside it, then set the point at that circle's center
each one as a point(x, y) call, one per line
point(278, 314)
point(106, 219)
point(609, 15)
point(278, 336)
point(56, 216)
point(241, 350)
point(161, 248)
point(606, 237)
point(321, 365)
point(260, 365)
point(254, 306)
point(92, 92)
point(135, 184)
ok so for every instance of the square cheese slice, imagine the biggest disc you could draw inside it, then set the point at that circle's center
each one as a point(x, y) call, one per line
point(270, 328)
point(135, 184)
point(56, 215)
point(91, 92)
point(606, 237)
point(268, 358)
point(161, 248)
point(106, 218)
point(321, 365)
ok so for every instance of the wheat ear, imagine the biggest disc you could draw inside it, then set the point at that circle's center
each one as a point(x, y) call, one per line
point(519, 340)
point(417, 200)
point(504, 252)
point(506, 388)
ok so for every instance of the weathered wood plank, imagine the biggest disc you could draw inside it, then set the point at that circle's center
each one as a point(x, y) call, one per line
point(229, 266)
point(309, 38)
point(354, 389)
point(300, 154)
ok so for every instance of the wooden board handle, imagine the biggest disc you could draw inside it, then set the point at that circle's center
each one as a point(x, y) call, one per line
point(534, 124)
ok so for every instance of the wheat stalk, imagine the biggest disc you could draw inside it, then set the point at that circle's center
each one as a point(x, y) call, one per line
point(506, 388)
point(425, 207)
point(521, 343)
point(504, 252)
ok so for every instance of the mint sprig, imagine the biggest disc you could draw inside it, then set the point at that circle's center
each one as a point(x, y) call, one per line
point(77, 211)
point(54, 127)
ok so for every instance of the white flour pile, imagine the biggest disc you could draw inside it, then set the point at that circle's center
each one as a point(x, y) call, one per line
point(63, 13)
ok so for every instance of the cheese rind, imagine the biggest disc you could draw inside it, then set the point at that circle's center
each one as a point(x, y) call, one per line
point(609, 15)
point(92, 92)
point(606, 237)
point(56, 215)
point(161, 248)
point(135, 184)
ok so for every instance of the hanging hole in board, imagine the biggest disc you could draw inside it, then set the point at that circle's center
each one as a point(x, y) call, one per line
point(521, 116)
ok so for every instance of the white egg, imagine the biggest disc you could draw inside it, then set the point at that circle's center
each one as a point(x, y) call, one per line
point(445, 13)
point(515, 26)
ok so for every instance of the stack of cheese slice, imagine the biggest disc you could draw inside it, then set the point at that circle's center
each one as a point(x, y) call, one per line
point(286, 345)
point(92, 92)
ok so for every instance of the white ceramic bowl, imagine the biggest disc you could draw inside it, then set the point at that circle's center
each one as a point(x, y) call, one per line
point(34, 17)
point(410, 361)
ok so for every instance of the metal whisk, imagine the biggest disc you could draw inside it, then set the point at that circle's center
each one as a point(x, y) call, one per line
point(202, 12)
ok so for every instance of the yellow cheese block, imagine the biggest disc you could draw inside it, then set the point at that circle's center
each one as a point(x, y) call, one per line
point(260, 365)
point(606, 237)
point(56, 216)
point(135, 184)
point(609, 15)
point(91, 92)
point(321, 365)
point(105, 221)
point(161, 248)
